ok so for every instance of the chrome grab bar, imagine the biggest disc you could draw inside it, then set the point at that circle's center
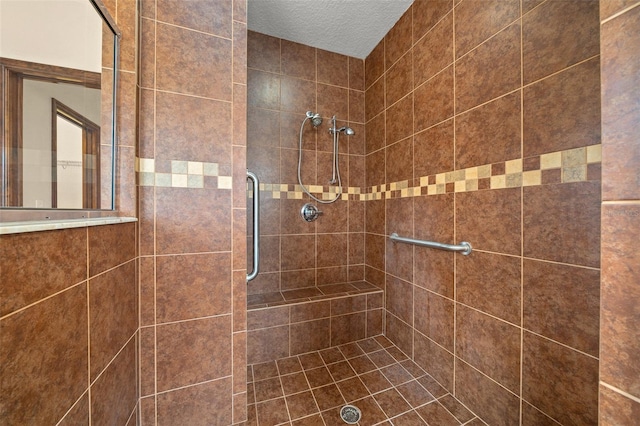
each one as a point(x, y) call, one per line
point(464, 247)
point(256, 225)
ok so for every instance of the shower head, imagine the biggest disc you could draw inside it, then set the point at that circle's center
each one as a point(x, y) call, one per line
point(347, 131)
point(316, 120)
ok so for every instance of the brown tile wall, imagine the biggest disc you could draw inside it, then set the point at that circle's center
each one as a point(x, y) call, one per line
point(192, 91)
point(68, 326)
point(619, 347)
point(513, 329)
point(69, 301)
point(293, 329)
point(285, 80)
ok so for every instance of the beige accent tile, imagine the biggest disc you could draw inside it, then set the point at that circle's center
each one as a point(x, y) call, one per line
point(498, 182)
point(195, 168)
point(424, 181)
point(574, 157)
point(225, 182)
point(431, 189)
point(211, 169)
point(484, 171)
point(513, 166)
point(471, 173)
point(179, 181)
point(195, 181)
point(404, 192)
point(394, 186)
point(315, 188)
point(532, 178)
point(574, 174)
point(513, 180)
point(441, 178)
point(471, 185)
point(441, 188)
point(275, 195)
point(146, 179)
point(457, 176)
point(147, 165)
point(552, 160)
point(163, 179)
point(448, 177)
point(594, 154)
point(460, 186)
point(179, 166)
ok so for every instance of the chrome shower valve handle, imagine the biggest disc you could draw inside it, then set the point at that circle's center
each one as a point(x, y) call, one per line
point(309, 212)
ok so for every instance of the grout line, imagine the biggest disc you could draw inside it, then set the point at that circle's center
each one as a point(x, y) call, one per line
point(521, 327)
point(226, 314)
point(169, 24)
point(618, 14)
point(548, 339)
point(455, 202)
point(191, 385)
point(44, 299)
point(621, 203)
point(620, 391)
point(86, 392)
point(111, 361)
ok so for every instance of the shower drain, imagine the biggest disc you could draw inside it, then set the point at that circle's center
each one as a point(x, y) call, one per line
point(350, 414)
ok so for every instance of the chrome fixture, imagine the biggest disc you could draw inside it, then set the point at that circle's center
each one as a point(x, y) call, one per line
point(256, 225)
point(309, 212)
point(464, 247)
point(347, 130)
point(316, 120)
point(335, 175)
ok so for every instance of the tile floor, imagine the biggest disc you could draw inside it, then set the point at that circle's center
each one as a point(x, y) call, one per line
point(372, 374)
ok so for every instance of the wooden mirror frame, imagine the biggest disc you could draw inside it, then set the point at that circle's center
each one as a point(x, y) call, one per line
point(13, 73)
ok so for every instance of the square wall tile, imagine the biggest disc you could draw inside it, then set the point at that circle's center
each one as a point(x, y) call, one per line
point(45, 364)
point(193, 351)
point(551, 42)
point(38, 264)
point(203, 404)
point(114, 394)
point(559, 381)
point(192, 286)
point(201, 58)
point(619, 347)
point(562, 302)
point(562, 223)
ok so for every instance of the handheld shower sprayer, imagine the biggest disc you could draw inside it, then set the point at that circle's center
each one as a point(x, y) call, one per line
point(316, 120)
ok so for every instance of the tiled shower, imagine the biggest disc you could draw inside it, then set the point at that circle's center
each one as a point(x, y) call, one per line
point(508, 124)
point(481, 125)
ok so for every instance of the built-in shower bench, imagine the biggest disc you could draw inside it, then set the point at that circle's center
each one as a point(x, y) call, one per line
point(287, 323)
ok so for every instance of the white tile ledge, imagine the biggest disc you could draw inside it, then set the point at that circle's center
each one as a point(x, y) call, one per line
point(49, 225)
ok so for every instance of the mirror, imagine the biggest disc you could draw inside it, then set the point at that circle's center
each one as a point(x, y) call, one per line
point(58, 64)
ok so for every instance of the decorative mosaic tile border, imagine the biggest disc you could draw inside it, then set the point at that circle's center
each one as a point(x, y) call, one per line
point(184, 174)
point(572, 165)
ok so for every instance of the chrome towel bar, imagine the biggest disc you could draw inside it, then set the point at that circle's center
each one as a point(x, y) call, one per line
point(464, 247)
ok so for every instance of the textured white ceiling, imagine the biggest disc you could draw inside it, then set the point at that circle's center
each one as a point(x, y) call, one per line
point(349, 27)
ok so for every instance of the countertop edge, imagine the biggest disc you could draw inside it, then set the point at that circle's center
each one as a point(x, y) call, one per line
point(7, 228)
